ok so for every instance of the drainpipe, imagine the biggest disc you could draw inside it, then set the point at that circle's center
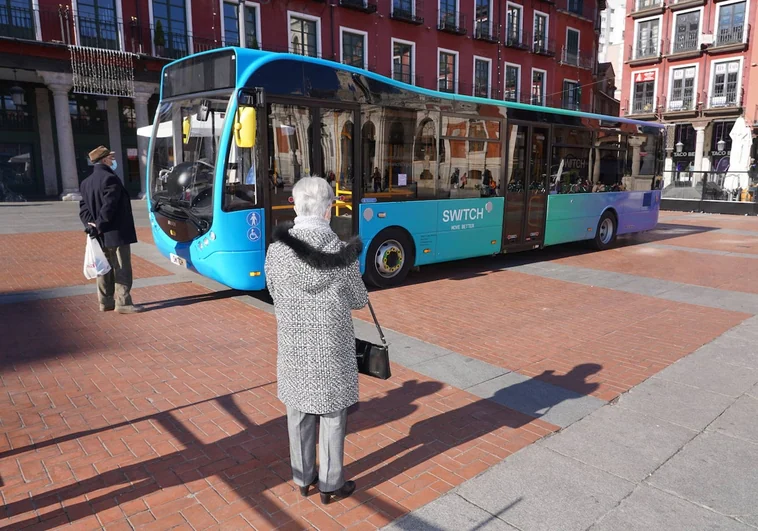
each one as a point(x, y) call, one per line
point(335, 55)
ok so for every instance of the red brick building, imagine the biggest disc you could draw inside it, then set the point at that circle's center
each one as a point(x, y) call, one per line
point(689, 63)
point(536, 51)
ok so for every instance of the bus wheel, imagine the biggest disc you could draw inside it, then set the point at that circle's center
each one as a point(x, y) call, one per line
point(605, 235)
point(389, 258)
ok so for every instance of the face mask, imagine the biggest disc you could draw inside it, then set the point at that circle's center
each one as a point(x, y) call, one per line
point(114, 165)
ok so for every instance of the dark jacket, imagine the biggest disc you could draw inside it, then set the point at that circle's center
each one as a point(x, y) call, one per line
point(106, 203)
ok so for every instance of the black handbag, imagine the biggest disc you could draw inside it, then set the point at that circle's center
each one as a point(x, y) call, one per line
point(373, 360)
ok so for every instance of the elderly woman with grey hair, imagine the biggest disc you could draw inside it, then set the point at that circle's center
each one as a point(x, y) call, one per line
point(315, 282)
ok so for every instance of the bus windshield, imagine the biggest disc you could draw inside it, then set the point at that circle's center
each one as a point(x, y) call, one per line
point(184, 158)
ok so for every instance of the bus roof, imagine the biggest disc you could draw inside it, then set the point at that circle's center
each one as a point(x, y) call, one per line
point(249, 60)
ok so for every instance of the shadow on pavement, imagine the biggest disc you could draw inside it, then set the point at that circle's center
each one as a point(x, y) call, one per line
point(255, 461)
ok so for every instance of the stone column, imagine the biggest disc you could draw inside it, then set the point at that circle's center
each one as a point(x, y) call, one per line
point(140, 108)
point(47, 141)
point(668, 163)
point(636, 143)
point(114, 135)
point(66, 150)
point(699, 144)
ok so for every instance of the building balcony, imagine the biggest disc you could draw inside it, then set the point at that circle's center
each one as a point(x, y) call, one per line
point(542, 45)
point(577, 8)
point(409, 78)
point(680, 108)
point(684, 46)
point(679, 5)
point(646, 8)
point(483, 32)
point(404, 12)
point(645, 108)
point(515, 38)
point(644, 53)
point(365, 6)
point(727, 103)
point(582, 60)
point(728, 40)
point(454, 23)
point(65, 27)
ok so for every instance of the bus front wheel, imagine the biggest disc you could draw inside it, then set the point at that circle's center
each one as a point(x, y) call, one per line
point(389, 258)
point(605, 236)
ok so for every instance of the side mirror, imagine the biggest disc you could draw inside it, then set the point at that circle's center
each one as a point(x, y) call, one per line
point(245, 127)
point(186, 127)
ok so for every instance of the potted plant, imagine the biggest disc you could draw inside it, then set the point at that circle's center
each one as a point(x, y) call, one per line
point(159, 38)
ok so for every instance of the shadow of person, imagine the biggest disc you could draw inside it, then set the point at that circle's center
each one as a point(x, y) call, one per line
point(190, 300)
point(455, 428)
point(396, 404)
point(252, 462)
point(574, 380)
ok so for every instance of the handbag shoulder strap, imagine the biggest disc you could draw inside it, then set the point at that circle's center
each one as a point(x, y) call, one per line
point(376, 322)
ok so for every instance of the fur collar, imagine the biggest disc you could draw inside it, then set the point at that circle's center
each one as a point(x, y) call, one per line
point(312, 256)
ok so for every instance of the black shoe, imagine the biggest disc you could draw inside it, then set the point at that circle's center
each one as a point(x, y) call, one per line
point(106, 308)
point(344, 492)
point(304, 490)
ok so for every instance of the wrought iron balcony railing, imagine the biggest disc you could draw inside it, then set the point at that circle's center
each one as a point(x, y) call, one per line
point(729, 35)
point(452, 22)
point(403, 10)
point(688, 41)
point(366, 6)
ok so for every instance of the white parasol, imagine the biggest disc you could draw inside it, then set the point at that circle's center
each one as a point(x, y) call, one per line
point(739, 158)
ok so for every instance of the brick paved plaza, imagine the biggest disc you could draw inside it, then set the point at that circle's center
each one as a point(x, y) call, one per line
point(561, 389)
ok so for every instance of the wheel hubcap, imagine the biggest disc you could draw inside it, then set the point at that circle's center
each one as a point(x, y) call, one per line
point(606, 230)
point(389, 258)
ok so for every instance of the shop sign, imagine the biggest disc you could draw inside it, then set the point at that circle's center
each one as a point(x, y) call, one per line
point(641, 77)
point(720, 153)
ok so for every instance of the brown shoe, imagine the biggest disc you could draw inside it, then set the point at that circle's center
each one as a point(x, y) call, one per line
point(129, 309)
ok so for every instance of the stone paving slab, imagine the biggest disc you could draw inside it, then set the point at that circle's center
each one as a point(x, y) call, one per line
point(450, 512)
point(648, 508)
point(542, 490)
point(676, 403)
point(551, 403)
point(715, 471)
point(621, 442)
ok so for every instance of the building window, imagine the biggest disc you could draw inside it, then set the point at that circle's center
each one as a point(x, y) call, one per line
point(572, 47)
point(686, 31)
point(513, 25)
point(248, 27)
point(538, 87)
point(682, 89)
point(731, 23)
point(576, 6)
point(12, 116)
point(447, 77)
point(170, 33)
point(571, 95)
point(647, 38)
point(481, 78)
point(403, 9)
point(512, 77)
point(231, 24)
point(540, 32)
point(87, 116)
point(354, 49)
point(402, 62)
point(482, 25)
point(17, 19)
point(97, 23)
point(448, 13)
point(644, 93)
point(304, 37)
point(725, 80)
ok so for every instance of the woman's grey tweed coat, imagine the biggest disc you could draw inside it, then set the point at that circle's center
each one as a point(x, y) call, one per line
point(315, 282)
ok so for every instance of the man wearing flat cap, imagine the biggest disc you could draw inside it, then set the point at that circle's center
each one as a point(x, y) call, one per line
point(106, 211)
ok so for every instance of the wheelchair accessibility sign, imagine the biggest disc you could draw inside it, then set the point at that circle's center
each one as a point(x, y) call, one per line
point(254, 234)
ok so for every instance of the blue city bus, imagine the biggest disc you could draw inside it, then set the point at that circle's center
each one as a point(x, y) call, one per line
point(422, 176)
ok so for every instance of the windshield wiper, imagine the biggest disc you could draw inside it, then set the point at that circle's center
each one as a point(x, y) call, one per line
point(200, 223)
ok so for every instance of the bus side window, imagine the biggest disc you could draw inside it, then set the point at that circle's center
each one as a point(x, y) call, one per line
point(241, 190)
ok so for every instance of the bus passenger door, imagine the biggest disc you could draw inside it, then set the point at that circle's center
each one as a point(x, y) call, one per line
point(525, 186)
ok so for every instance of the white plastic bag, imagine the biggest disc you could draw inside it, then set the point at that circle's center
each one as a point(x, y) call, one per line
point(95, 262)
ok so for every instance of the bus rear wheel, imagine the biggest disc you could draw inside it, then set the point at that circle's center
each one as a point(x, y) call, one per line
point(605, 235)
point(389, 258)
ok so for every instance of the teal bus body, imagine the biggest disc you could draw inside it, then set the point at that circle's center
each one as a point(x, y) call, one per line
point(230, 246)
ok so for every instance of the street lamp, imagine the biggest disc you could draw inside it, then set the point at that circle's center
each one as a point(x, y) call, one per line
point(679, 147)
point(720, 145)
point(17, 93)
